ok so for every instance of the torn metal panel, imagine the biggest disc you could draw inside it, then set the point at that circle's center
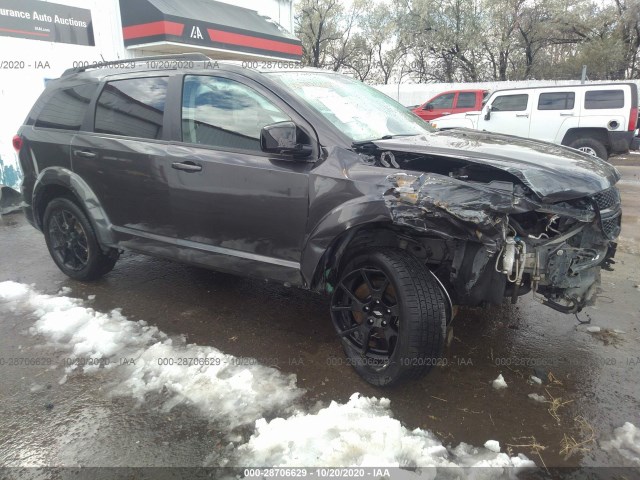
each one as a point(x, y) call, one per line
point(451, 208)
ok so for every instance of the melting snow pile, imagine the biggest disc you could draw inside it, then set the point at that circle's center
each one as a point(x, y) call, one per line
point(362, 433)
point(358, 433)
point(499, 383)
point(626, 440)
point(222, 389)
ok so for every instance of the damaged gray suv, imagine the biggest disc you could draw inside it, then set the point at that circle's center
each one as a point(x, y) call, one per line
point(313, 179)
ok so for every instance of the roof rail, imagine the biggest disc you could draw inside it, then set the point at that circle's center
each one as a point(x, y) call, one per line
point(180, 56)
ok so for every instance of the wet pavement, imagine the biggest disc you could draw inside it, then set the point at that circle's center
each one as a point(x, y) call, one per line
point(591, 385)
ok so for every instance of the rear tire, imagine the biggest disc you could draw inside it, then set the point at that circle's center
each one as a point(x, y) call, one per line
point(591, 146)
point(390, 314)
point(73, 244)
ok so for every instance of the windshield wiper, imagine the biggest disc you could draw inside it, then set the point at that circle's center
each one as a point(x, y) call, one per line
point(384, 137)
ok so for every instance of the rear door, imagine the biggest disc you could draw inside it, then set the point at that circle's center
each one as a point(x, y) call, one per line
point(466, 102)
point(124, 159)
point(553, 113)
point(510, 114)
point(238, 208)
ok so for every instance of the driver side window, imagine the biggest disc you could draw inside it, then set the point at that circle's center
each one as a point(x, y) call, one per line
point(443, 101)
point(224, 113)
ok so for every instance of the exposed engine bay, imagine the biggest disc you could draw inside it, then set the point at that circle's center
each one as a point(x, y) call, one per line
point(488, 234)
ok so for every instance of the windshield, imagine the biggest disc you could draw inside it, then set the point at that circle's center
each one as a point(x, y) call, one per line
point(359, 111)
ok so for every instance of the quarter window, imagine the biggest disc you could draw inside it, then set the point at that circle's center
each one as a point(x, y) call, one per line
point(65, 109)
point(599, 99)
point(466, 100)
point(133, 107)
point(224, 113)
point(556, 101)
point(510, 103)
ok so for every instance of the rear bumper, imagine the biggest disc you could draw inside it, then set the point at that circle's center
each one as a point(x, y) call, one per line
point(621, 142)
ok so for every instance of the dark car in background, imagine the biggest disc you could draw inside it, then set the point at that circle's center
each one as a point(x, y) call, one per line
point(315, 180)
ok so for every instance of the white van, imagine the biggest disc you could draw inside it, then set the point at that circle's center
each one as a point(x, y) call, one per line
point(597, 119)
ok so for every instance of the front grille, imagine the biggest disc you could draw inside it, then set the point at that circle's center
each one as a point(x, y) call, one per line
point(607, 198)
point(611, 227)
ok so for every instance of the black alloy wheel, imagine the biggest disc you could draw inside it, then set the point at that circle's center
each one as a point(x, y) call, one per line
point(68, 240)
point(72, 242)
point(390, 314)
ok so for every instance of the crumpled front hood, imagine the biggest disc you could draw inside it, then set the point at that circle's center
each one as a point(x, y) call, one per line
point(553, 172)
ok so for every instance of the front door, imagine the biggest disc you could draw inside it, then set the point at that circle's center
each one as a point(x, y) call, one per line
point(237, 208)
point(510, 114)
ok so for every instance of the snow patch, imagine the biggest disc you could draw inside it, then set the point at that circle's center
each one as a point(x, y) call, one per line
point(362, 433)
point(535, 379)
point(499, 383)
point(537, 398)
point(593, 329)
point(626, 440)
point(358, 433)
point(13, 291)
point(223, 389)
point(492, 445)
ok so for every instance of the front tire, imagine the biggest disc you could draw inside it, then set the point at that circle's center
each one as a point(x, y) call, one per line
point(390, 315)
point(591, 146)
point(72, 242)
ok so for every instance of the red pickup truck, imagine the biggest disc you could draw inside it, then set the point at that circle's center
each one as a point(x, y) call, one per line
point(453, 101)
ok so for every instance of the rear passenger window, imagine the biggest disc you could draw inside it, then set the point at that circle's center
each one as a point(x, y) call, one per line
point(556, 101)
point(466, 100)
point(66, 108)
point(134, 107)
point(599, 99)
point(510, 103)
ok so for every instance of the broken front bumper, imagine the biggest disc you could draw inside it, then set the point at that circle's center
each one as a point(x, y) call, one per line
point(565, 269)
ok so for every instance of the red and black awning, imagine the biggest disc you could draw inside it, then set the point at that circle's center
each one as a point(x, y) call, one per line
point(205, 23)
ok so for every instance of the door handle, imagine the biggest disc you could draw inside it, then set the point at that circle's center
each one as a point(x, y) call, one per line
point(84, 153)
point(187, 166)
point(446, 113)
point(522, 115)
point(566, 114)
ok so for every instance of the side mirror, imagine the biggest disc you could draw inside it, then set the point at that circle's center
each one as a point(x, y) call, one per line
point(487, 115)
point(428, 106)
point(282, 138)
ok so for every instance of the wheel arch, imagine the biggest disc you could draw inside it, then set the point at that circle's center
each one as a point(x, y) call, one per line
point(344, 230)
point(599, 134)
point(54, 182)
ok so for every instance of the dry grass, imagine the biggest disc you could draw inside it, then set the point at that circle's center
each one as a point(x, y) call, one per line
point(552, 379)
point(607, 337)
point(570, 446)
point(533, 444)
point(556, 404)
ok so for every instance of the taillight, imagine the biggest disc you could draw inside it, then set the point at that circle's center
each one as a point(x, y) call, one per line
point(17, 142)
point(633, 119)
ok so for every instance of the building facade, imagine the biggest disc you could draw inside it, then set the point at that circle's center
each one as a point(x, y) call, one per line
point(40, 39)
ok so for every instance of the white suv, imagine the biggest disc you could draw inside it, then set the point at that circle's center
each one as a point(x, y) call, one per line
point(597, 119)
